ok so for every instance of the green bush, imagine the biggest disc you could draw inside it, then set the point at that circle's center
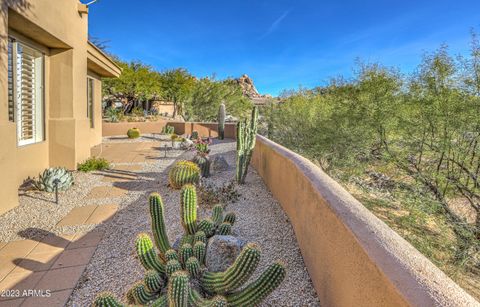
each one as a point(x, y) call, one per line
point(93, 164)
point(133, 133)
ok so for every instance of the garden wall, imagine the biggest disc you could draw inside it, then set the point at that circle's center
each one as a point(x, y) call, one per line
point(204, 129)
point(353, 258)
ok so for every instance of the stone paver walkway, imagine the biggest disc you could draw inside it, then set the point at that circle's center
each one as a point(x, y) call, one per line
point(45, 273)
point(49, 269)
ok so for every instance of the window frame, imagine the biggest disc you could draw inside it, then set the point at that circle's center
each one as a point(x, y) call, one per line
point(40, 124)
point(91, 106)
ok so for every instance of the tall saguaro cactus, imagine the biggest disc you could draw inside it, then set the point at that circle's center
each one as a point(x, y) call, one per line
point(221, 121)
point(246, 136)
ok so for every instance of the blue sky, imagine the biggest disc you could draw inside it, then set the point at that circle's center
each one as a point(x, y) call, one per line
point(281, 44)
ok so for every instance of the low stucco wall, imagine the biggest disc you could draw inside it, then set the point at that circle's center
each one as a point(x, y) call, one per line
point(353, 258)
point(204, 129)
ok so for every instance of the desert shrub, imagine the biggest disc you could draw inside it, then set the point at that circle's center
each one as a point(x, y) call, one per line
point(114, 115)
point(93, 164)
point(210, 195)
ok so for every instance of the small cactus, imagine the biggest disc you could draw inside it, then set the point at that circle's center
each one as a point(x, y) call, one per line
point(194, 135)
point(133, 133)
point(207, 226)
point(200, 237)
point(186, 251)
point(236, 274)
point(261, 288)
point(230, 218)
point(171, 254)
point(188, 208)
point(225, 229)
point(153, 281)
point(141, 294)
point(246, 137)
point(147, 255)
point(186, 238)
point(179, 289)
point(183, 172)
point(221, 121)
point(106, 299)
point(193, 267)
point(196, 299)
point(172, 267)
point(157, 212)
point(200, 251)
point(203, 162)
point(217, 215)
point(162, 301)
point(168, 130)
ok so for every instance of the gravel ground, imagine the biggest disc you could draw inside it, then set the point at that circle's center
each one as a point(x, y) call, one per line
point(260, 219)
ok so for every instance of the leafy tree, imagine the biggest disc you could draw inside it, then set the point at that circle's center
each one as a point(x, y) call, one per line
point(208, 94)
point(177, 85)
point(137, 83)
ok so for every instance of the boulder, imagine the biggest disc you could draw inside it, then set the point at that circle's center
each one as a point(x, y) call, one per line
point(219, 163)
point(222, 252)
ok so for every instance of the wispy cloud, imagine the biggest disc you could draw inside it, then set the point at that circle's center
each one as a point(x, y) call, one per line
point(274, 26)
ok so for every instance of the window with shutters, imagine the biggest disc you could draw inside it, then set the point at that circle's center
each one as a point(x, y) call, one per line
point(90, 101)
point(26, 93)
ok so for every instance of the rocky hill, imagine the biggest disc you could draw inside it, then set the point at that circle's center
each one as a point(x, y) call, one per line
point(250, 91)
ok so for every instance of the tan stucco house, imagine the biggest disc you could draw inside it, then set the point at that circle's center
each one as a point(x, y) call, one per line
point(50, 90)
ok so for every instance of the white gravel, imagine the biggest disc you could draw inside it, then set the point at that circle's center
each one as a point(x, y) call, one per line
point(259, 219)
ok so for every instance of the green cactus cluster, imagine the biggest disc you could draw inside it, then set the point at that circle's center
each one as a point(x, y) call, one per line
point(183, 172)
point(203, 162)
point(168, 130)
point(171, 274)
point(221, 121)
point(246, 137)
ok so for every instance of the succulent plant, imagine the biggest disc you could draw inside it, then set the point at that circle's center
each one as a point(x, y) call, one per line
point(168, 130)
point(221, 121)
point(183, 172)
point(170, 274)
point(246, 137)
point(58, 177)
point(133, 133)
point(203, 162)
point(194, 135)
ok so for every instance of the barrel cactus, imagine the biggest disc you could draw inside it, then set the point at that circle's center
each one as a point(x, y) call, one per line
point(171, 273)
point(54, 177)
point(221, 121)
point(203, 162)
point(133, 133)
point(183, 172)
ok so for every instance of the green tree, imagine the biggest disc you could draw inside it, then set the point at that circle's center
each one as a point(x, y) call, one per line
point(177, 85)
point(137, 83)
point(208, 94)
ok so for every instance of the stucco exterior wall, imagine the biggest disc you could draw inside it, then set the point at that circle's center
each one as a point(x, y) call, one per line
point(61, 32)
point(204, 129)
point(353, 258)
